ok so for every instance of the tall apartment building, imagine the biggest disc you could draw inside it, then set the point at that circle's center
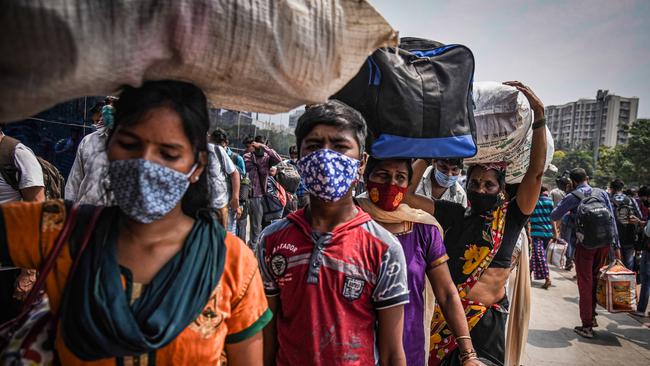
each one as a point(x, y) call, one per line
point(574, 124)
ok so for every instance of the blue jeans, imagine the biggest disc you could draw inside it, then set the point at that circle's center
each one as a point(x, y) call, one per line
point(627, 257)
point(645, 282)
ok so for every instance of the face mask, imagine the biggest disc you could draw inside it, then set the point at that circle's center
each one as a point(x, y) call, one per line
point(445, 180)
point(327, 174)
point(146, 191)
point(386, 196)
point(483, 202)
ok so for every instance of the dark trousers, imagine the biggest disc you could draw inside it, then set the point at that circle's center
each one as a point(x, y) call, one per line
point(588, 262)
point(256, 213)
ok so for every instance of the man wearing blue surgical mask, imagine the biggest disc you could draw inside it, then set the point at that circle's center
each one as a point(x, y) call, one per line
point(440, 181)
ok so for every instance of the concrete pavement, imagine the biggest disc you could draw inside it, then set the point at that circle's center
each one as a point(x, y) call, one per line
point(620, 339)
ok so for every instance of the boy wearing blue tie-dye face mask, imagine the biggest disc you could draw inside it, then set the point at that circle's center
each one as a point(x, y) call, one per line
point(331, 274)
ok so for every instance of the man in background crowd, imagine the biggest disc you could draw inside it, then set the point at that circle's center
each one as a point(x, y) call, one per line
point(223, 180)
point(235, 209)
point(21, 179)
point(86, 182)
point(589, 257)
point(259, 158)
point(560, 190)
point(627, 218)
point(440, 181)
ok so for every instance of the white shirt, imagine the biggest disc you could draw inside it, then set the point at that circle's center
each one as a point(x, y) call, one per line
point(455, 193)
point(89, 173)
point(218, 182)
point(31, 174)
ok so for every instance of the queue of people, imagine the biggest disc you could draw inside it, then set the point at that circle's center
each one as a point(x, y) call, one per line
point(158, 264)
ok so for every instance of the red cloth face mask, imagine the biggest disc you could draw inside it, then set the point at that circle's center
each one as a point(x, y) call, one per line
point(385, 195)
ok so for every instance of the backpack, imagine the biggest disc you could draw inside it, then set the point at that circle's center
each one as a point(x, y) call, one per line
point(244, 181)
point(288, 176)
point(416, 100)
point(52, 178)
point(593, 220)
point(273, 201)
point(623, 209)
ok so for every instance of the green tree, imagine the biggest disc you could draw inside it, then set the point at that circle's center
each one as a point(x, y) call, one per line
point(612, 163)
point(567, 160)
point(638, 152)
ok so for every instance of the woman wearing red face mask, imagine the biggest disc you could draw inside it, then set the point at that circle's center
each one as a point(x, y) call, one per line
point(421, 238)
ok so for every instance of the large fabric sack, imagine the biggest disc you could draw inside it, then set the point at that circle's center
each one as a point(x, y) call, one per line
point(593, 219)
point(259, 55)
point(503, 129)
point(616, 288)
point(518, 159)
point(503, 118)
point(417, 100)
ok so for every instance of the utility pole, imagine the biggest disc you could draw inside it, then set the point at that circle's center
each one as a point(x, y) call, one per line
point(601, 98)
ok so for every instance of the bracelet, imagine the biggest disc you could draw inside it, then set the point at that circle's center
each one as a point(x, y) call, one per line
point(464, 337)
point(466, 356)
point(539, 123)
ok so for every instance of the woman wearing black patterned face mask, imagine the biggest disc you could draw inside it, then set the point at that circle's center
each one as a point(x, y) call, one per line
point(480, 242)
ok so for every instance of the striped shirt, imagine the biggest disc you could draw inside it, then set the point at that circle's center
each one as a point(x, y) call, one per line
point(540, 220)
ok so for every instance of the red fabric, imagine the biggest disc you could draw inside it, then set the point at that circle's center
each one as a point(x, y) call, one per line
point(588, 263)
point(386, 196)
point(317, 325)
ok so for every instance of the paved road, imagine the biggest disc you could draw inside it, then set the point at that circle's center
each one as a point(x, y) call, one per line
point(620, 340)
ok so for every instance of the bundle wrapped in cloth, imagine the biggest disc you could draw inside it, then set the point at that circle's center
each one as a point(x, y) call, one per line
point(616, 289)
point(258, 55)
point(503, 129)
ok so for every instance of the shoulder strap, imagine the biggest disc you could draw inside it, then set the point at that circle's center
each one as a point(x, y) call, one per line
point(45, 269)
point(8, 168)
point(580, 194)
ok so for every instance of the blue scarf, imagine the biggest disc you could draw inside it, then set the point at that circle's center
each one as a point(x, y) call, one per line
point(96, 317)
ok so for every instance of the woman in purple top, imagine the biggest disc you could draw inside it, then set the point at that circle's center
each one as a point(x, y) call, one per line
point(421, 238)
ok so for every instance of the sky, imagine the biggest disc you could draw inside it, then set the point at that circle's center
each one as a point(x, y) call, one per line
point(564, 50)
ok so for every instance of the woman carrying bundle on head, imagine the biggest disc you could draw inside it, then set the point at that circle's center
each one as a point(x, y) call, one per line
point(479, 242)
point(154, 279)
point(421, 238)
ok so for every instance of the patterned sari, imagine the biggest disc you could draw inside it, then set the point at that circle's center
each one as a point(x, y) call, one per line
point(477, 260)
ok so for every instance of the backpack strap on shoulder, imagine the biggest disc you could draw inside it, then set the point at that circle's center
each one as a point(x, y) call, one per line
point(8, 168)
point(581, 195)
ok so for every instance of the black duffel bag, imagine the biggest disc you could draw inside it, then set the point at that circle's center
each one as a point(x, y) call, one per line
point(417, 100)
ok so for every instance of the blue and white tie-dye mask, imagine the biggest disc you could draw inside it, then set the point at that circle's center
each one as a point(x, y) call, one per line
point(327, 174)
point(146, 191)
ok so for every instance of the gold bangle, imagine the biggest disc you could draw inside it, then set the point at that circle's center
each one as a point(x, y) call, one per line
point(464, 337)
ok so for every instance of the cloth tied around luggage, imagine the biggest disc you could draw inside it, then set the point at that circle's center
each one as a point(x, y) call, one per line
point(556, 252)
point(616, 288)
point(416, 100)
point(260, 55)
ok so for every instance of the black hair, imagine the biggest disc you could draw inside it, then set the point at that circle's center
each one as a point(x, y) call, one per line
point(191, 105)
point(332, 113)
point(543, 189)
point(501, 176)
point(293, 149)
point(452, 161)
point(578, 175)
point(373, 162)
point(248, 140)
point(617, 185)
point(260, 139)
point(562, 182)
point(219, 136)
point(644, 191)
